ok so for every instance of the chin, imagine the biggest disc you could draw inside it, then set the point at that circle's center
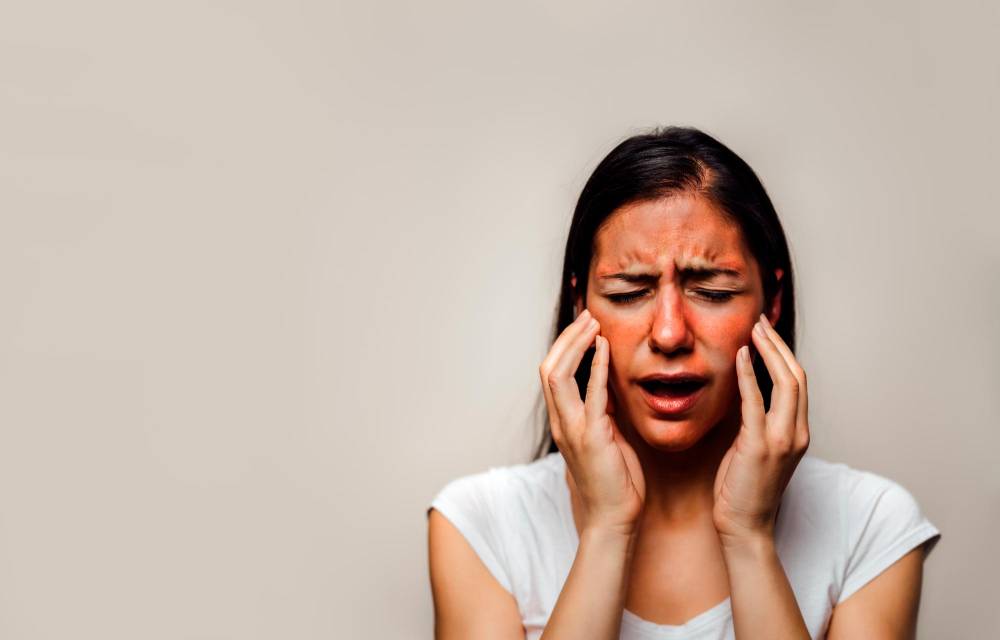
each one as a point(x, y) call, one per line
point(671, 435)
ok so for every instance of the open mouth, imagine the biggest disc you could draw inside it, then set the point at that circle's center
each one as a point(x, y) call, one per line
point(671, 400)
point(671, 389)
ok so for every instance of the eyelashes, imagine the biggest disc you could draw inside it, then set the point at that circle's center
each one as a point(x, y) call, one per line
point(707, 294)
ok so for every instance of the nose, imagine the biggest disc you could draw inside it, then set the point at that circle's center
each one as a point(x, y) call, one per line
point(670, 332)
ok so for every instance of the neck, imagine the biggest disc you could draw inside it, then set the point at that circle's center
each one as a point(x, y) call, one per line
point(680, 484)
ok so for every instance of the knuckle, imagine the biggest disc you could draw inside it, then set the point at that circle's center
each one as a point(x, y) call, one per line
point(588, 442)
point(553, 378)
point(557, 436)
point(543, 372)
point(781, 445)
point(793, 384)
point(803, 441)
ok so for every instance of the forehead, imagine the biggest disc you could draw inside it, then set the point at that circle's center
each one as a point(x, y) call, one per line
point(682, 229)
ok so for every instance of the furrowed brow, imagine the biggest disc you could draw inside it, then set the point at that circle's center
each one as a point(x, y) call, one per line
point(703, 273)
point(635, 278)
point(694, 273)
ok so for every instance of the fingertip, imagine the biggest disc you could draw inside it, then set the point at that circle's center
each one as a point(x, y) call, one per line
point(744, 366)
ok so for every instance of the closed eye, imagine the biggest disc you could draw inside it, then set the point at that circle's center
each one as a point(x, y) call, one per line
point(716, 296)
point(623, 298)
point(708, 294)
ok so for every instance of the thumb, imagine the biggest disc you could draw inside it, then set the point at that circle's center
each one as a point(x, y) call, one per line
point(631, 460)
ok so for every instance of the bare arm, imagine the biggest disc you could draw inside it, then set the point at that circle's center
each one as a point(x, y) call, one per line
point(763, 602)
point(470, 603)
point(593, 597)
point(885, 608)
point(468, 600)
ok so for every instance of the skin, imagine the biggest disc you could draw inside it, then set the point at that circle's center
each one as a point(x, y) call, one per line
point(673, 513)
point(674, 326)
point(679, 321)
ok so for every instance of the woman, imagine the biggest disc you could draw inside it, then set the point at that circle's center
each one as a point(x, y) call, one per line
point(676, 500)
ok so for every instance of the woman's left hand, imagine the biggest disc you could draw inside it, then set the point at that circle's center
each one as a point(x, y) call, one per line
point(755, 471)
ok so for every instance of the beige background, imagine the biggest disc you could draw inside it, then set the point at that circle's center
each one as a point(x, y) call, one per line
point(273, 273)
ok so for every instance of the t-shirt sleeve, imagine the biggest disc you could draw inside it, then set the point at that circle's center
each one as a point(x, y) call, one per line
point(468, 503)
point(883, 523)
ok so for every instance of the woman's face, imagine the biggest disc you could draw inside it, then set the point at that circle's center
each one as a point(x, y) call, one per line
point(667, 317)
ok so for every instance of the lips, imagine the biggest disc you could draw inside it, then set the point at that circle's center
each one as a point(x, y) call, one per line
point(672, 394)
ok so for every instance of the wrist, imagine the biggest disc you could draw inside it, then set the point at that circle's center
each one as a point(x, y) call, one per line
point(608, 537)
point(756, 545)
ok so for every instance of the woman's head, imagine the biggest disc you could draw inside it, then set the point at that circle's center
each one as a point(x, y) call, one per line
point(676, 249)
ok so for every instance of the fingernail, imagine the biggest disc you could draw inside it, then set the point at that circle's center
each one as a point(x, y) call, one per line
point(585, 314)
point(759, 329)
point(764, 319)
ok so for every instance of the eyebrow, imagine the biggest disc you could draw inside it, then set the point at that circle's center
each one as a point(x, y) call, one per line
point(697, 273)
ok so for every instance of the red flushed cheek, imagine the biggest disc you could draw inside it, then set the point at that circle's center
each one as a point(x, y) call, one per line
point(623, 341)
point(725, 335)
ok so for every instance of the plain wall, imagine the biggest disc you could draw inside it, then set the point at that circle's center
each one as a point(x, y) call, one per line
point(273, 273)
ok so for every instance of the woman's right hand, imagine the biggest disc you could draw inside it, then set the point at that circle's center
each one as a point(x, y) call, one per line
point(604, 467)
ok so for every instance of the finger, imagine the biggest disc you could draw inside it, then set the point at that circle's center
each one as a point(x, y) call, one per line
point(631, 459)
point(784, 396)
point(562, 383)
point(596, 403)
point(566, 338)
point(546, 367)
point(802, 412)
point(550, 407)
point(752, 405)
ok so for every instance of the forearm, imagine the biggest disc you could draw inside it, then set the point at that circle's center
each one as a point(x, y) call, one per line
point(591, 601)
point(763, 602)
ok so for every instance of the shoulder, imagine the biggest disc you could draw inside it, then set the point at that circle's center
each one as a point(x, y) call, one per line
point(852, 491)
point(858, 495)
point(504, 486)
point(497, 509)
point(855, 498)
point(863, 521)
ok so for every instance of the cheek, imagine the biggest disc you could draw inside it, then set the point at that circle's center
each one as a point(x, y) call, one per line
point(728, 334)
point(622, 341)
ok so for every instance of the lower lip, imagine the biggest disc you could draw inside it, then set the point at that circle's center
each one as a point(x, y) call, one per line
point(671, 405)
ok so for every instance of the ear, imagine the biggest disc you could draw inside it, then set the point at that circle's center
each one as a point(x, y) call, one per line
point(773, 311)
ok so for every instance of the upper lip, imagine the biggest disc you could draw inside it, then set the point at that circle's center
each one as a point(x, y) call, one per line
point(683, 376)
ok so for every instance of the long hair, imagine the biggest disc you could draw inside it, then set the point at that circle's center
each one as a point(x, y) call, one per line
point(658, 164)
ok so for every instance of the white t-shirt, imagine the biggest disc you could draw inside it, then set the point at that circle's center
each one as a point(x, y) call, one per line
point(837, 528)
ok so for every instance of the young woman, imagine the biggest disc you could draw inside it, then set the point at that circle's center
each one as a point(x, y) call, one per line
point(676, 499)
